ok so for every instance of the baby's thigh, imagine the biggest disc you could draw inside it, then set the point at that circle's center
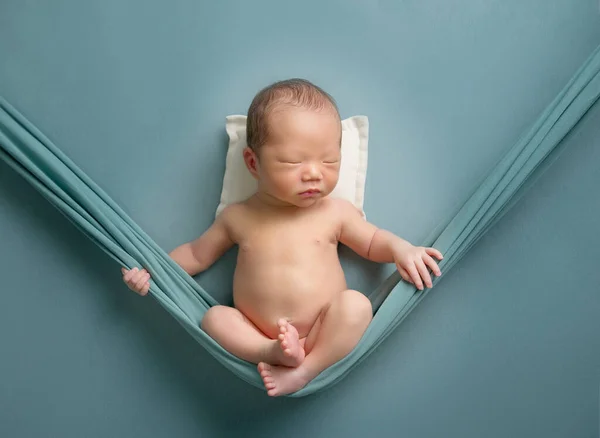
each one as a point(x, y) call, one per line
point(223, 317)
point(353, 305)
point(349, 307)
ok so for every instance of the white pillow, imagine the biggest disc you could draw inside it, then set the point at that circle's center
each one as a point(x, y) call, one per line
point(239, 185)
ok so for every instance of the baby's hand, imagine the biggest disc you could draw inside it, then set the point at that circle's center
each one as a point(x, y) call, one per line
point(137, 280)
point(412, 262)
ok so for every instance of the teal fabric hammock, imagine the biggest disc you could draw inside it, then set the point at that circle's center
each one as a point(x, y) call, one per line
point(84, 203)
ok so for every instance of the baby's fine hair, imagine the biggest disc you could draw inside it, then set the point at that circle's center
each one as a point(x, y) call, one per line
point(293, 92)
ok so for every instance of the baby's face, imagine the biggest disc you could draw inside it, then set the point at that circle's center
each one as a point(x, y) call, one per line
point(300, 163)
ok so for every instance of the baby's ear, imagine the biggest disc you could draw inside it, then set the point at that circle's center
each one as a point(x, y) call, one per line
point(251, 161)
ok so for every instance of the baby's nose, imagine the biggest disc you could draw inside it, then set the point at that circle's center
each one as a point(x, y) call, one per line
point(312, 172)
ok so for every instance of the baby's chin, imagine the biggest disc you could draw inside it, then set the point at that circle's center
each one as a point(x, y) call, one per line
point(308, 202)
point(297, 200)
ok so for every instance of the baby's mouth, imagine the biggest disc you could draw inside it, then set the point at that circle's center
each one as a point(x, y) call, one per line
point(310, 192)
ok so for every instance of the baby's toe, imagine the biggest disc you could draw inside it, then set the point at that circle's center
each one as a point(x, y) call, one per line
point(264, 369)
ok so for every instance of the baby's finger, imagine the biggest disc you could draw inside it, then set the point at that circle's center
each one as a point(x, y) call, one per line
point(141, 281)
point(424, 273)
point(139, 275)
point(434, 252)
point(134, 279)
point(432, 265)
point(145, 289)
point(414, 274)
point(129, 275)
point(404, 274)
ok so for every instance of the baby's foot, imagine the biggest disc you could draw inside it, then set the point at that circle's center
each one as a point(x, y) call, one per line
point(289, 341)
point(280, 380)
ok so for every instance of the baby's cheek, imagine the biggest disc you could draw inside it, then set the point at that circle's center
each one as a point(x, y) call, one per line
point(331, 178)
point(284, 182)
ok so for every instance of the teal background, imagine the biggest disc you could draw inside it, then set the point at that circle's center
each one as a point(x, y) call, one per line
point(136, 94)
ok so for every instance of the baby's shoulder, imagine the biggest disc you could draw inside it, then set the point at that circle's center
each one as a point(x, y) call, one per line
point(233, 212)
point(234, 218)
point(341, 207)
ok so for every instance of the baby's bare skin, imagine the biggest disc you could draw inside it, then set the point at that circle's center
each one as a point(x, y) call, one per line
point(288, 265)
point(293, 314)
point(290, 293)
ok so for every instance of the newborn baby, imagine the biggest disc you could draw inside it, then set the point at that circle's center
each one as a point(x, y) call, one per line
point(293, 313)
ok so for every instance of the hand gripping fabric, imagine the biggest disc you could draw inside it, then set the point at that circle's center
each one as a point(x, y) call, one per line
point(83, 202)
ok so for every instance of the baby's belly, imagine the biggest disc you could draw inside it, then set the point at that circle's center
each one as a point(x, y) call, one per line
point(265, 290)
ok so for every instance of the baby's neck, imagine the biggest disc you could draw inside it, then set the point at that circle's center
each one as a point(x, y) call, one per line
point(265, 200)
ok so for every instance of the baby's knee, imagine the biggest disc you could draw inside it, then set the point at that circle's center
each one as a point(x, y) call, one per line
point(356, 306)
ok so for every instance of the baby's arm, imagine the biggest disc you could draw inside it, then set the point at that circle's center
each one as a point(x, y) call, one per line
point(194, 257)
point(366, 239)
point(381, 246)
point(198, 255)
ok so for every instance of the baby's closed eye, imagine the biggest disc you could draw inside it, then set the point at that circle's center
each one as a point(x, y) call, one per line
point(289, 160)
point(294, 162)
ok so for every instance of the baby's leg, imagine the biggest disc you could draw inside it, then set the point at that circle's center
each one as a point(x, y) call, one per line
point(341, 327)
point(236, 334)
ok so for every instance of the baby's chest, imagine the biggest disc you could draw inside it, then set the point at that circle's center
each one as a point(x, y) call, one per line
point(281, 238)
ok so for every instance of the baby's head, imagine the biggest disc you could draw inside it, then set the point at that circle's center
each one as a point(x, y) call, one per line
point(294, 136)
